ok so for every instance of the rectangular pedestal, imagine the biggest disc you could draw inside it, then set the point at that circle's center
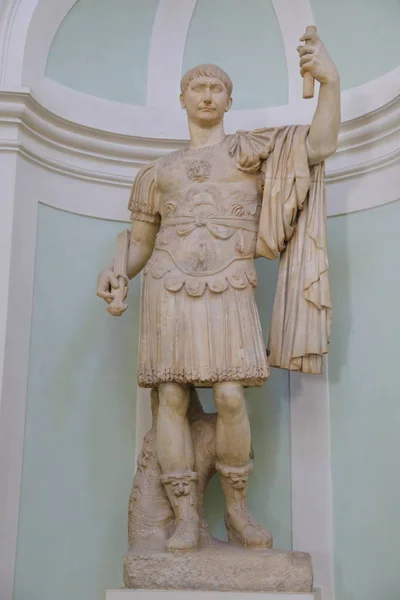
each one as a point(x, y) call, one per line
point(188, 595)
point(220, 568)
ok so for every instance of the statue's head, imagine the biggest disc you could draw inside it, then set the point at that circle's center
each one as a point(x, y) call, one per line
point(206, 94)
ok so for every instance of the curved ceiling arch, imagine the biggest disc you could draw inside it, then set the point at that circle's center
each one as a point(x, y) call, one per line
point(362, 37)
point(247, 44)
point(28, 28)
point(120, 35)
point(101, 48)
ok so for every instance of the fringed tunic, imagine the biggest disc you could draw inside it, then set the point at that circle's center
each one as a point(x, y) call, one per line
point(199, 319)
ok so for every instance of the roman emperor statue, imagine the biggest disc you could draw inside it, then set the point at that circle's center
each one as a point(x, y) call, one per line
point(200, 218)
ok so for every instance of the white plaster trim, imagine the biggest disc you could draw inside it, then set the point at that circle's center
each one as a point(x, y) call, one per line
point(109, 116)
point(365, 169)
point(8, 168)
point(9, 463)
point(194, 595)
point(28, 27)
point(371, 96)
point(15, 376)
point(27, 30)
point(14, 27)
point(167, 46)
point(167, 122)
point(45, 22)
point(293, 18)
point(311, 474)
point(365, 190)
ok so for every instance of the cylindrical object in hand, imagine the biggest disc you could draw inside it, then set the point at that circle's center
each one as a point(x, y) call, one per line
point(117, 306)
point(308, 79)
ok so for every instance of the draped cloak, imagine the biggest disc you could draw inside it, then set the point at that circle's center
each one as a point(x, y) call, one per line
point(292, 228)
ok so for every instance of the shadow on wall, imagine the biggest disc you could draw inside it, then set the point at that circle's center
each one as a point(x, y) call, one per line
point(80, 421)
point(364, 402)
point(338, 252)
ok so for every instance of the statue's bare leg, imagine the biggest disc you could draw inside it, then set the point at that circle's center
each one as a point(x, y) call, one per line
point(233, 446)
point(176, 457)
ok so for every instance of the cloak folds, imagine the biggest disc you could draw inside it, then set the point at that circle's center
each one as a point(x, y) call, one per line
point(292, 226)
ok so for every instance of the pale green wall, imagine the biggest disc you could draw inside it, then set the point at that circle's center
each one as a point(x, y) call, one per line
point(78, 454)
point(241, 37)
point(270, 485)
point(101, 49)
point(81, 408)
point(80, 421)
point(364, 250)
point(361, 35)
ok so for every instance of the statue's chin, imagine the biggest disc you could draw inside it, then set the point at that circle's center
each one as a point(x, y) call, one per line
point(208, 119)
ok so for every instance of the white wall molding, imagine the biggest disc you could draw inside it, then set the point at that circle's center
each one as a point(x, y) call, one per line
point(293, 18)
point(28, 27)
point(27, 30)
point(17, 277)
point(9, 165)
point(126, 594)
point(312, 516)
point(10, 470)
point(44, 24)
point(164, 69)
point(169, 121)
point(105, 142)
point(14, 26)
point(368, 154)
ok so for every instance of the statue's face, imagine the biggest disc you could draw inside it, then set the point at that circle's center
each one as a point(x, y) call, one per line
point(206, 101)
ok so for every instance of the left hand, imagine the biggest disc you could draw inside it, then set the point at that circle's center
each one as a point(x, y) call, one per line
point(315, 59)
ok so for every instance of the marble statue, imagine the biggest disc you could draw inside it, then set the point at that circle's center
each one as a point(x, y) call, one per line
point(200, 217)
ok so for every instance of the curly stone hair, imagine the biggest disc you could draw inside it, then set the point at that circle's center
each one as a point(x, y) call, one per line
point(206, 70)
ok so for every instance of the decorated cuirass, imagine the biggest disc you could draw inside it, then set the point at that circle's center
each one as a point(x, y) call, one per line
point(209, 221)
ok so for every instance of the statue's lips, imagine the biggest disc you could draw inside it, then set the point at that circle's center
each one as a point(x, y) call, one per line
point(207, 109)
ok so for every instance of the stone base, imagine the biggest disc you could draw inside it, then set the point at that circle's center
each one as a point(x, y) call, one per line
point(188, 595)
point(220, 568)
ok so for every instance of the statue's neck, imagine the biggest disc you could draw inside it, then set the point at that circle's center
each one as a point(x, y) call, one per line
point(201, 137)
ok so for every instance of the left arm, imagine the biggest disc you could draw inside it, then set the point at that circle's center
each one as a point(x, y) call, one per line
point(324, 131)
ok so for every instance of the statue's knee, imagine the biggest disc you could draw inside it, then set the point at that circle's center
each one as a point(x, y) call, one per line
point(174, 397)
point(229, 399)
